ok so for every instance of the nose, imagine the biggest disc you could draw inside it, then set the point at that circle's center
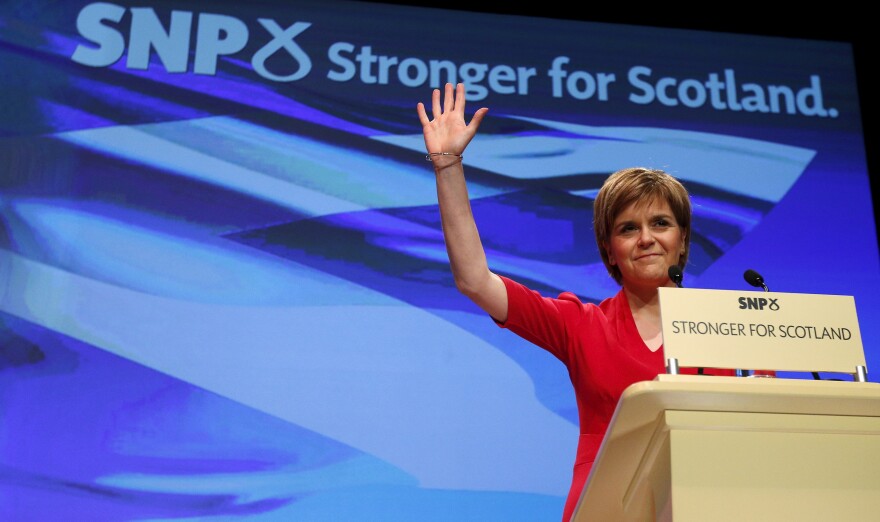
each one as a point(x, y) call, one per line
point(646, 238)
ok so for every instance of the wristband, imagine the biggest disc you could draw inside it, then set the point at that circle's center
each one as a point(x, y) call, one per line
point(430, 155)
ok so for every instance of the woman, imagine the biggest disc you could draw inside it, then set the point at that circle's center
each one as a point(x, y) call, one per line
point(642, 221)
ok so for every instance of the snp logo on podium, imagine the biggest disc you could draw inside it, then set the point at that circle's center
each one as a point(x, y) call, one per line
point(758, 303)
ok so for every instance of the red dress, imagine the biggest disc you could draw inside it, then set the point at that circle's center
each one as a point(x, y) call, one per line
point(603, 351)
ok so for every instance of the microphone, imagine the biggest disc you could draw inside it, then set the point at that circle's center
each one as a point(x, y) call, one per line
point(753, 278)
point(676, 275)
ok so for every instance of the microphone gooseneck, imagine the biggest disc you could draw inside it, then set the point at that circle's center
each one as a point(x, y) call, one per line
point(676, 275)
point(753, 278)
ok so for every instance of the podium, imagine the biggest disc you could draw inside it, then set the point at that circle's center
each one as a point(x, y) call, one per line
point(695, 448)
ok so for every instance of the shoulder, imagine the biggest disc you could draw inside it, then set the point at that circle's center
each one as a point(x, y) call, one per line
point(615, 303)
point(566, 302)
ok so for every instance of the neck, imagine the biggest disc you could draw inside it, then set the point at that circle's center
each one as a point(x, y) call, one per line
point(643, 296)
point(644, 303)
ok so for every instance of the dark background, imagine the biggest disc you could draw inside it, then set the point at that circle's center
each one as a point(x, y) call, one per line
point(843, 25)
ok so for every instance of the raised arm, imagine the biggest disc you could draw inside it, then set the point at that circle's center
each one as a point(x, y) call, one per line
point(448, 132)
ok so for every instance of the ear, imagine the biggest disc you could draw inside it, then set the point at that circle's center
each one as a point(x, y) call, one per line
point(611, 260)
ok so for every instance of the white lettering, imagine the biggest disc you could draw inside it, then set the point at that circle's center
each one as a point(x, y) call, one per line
point(90, 24)
point(719, 94)
point(580, 85)
point(371, 68)
point(147, 33)
point(100, 24)
point(217, 36)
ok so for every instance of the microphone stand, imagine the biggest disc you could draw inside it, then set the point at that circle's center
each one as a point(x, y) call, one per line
point(755, 279)
point(677, 276)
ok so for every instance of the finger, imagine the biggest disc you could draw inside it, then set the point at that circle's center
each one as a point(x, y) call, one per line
point(477, 118)
point(420, 110)
point(449, 101)
point(459, 98)
point(435, 103)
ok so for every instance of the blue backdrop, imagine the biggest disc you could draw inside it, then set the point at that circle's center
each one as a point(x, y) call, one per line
point(223, 285)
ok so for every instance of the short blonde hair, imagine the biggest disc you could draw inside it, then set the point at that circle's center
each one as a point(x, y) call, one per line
point(642, 185)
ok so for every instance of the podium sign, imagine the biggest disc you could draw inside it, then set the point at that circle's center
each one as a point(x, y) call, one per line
point(761, 330)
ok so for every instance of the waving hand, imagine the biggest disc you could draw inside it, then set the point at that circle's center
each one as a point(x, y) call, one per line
point(448, 132)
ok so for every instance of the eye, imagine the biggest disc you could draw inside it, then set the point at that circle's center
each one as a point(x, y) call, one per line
point(662, 222)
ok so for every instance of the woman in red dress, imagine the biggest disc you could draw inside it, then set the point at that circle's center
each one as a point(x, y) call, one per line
point(642, 220)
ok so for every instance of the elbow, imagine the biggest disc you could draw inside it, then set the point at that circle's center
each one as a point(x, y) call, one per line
point(465, 287)
point(471, 287)
point(472, 279)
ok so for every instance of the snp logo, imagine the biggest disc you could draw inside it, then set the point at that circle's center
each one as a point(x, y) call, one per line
point(758, 303)
point(216, 36)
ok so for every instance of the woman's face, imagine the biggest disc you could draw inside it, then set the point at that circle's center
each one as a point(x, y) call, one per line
point(645, 241)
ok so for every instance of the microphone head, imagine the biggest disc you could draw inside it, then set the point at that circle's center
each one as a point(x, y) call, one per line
point(676, 275)
point(753, 278)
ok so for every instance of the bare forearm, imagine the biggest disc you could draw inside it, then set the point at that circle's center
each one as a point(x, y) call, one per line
point(466, 255)
point(467, 258)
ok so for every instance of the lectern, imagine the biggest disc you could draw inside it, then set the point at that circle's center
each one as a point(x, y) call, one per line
point(701, 448)
point(688, 448)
